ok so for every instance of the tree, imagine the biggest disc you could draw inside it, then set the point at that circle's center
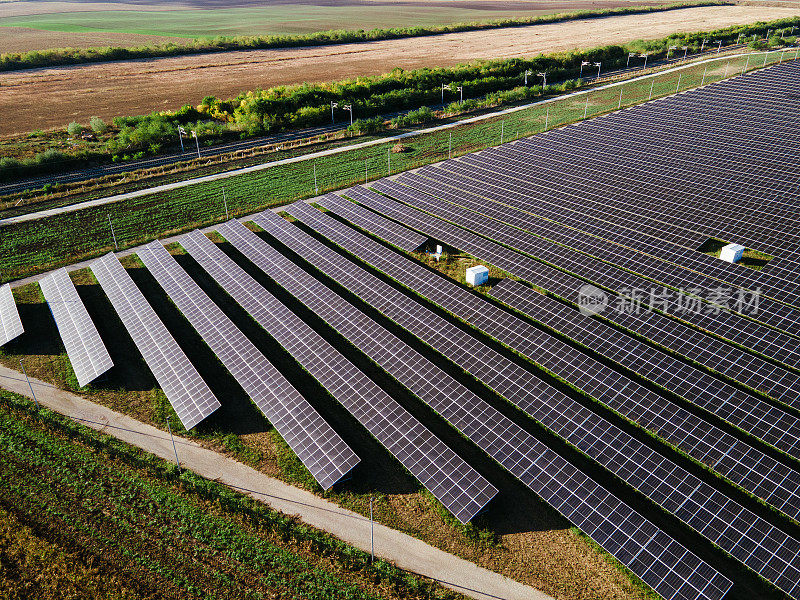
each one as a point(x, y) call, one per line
point(98, 125)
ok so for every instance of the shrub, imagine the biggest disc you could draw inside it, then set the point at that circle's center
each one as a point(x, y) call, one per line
point(74, 128)
point(98, 125)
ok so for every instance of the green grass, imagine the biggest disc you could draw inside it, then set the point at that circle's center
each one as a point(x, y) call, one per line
point(267, 20)
point(37, 246)
point(275, 19)
point(124, 524)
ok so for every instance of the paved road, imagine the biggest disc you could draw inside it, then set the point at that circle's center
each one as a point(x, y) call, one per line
point(405, 551)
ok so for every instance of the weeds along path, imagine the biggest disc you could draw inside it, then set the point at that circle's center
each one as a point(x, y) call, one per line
point(405, 551)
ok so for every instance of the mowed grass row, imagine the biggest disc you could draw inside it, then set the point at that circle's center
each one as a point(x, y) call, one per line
point(36, 246)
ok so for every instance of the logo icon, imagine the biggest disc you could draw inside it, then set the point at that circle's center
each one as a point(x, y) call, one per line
point(592, 300)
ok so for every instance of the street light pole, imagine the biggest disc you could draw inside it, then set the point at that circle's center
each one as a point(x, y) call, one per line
point(628, 62)
point(671, 48)
point(598, 65)
point(543, 75)
point(685, 51)
point(529, 72)
point(460, 90)
point(333, 105)
point(719, 47)
point(584, 63)
point(644, 56)
point(349, 107)
point(181, 133)
point(197, 142)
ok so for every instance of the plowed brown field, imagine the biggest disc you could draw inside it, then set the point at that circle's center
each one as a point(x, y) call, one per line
point(50, 98)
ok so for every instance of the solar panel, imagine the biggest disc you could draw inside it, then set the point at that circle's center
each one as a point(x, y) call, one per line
point(750, 334)
point(659, 258)
point(186, 391)
point(396, 234)
point(758, 418)
point(497, 179)
point(85, 348)
point(9, 316)
point(709, 512)
point(668, 568)
point(327, 457)
point(458, 486)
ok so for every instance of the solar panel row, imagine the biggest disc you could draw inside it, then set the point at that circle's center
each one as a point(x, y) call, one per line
point(749, 334)
point(186, 391)
point(744, 465)
point(647, 551)
point(10, 323)
point(86, 351)
point(400, 236)
point(758, 418)
point(504, 178)
point(750, 539)
point(740, 366)
point(315, 443)
point(545, 237)
point(458, 486)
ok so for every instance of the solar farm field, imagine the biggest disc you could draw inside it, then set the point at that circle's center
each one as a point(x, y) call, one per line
point(32, 248)
point(614, 413)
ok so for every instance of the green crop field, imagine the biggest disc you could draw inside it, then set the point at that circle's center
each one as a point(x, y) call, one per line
point(84, 516)
point(266, 20)
point(36, 246)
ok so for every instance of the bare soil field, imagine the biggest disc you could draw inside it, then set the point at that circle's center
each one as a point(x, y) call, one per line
point(23, 39)
point(52, 97)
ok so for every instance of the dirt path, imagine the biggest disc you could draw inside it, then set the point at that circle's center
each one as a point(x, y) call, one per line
point(47, 98)
point(407, 552)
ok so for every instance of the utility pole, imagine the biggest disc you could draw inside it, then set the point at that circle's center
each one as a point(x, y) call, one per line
point(29, 384)
point(177, 462)
point(371, 533)
point(197, 142)
point(113, 235)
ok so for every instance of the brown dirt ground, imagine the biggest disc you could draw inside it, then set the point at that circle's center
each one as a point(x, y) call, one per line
point(17, 39)
point(50, 98)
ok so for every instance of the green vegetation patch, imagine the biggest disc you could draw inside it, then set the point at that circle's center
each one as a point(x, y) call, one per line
point(123, 523)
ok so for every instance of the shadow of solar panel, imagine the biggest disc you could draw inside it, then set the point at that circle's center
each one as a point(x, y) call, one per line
point(459, 487)
point(396, 234)
point(622, 454)
point(327, 457)
point(10, 323)
point(671, 571)
point(186, 391)
point(85, 348)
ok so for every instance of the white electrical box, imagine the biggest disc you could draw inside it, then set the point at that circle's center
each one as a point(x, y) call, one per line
point(477, 275)
point(732, 253)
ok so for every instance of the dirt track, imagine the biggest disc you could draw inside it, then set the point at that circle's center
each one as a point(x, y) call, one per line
point(48, 98)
